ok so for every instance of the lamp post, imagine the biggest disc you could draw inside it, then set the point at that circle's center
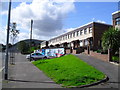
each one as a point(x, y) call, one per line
point(6, 57)
point(31, 38)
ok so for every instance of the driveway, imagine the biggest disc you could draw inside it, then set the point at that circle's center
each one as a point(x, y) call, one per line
point(109, 69)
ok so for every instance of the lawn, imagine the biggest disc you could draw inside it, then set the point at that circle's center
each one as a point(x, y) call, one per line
point(69, 70)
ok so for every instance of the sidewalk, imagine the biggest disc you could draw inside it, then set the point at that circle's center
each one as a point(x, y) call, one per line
point(109, 69)
point(25, 75)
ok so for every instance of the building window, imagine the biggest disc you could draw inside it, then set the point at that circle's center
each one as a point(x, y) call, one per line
point(71, 35)
point(85, 31)
point(77, 33)
point(68, 36)
point(86, 42)
point(81, 32)
point(117, 21)
point(90, 30)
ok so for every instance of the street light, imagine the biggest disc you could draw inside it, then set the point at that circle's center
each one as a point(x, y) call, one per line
point(31, 38)
point(8, 29)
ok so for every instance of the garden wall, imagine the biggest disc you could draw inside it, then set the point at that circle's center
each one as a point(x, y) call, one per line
point(68, 51)
point(103, 57)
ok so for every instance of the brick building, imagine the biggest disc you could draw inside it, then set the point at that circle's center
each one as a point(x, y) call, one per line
point(116, 19)
point(87, 36)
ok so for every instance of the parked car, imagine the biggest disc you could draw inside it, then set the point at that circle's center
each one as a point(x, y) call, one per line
point(36, 56)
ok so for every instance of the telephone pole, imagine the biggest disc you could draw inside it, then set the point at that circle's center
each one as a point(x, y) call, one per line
point(7, 42)
point(31, 38)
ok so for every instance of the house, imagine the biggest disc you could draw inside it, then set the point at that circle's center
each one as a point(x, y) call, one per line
point(116, 19)
point(83, 37)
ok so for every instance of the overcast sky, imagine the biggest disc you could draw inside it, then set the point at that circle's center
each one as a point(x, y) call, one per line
point(51, 19)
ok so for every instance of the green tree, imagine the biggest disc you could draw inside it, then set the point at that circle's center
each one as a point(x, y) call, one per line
point(111, 40)
point(22, 46)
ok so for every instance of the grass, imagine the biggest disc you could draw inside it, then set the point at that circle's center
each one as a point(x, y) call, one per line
point(69, 71)
point(115, 58)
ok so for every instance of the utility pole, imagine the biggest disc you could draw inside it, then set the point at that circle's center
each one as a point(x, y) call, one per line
point(6, 58)
point(31, 38)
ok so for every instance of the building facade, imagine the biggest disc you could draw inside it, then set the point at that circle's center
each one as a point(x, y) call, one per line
point(116, 19)
point(87, 36)
point(44, 44)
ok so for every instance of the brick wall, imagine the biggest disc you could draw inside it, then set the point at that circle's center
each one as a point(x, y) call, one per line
point(74, 51)
point(103, 57)
point(67, 51)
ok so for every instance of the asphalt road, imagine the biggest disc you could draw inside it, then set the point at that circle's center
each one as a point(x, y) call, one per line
point(2, 59)
point(25, 75)
point(111, 70)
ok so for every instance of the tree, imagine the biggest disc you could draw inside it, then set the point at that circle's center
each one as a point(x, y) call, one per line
point(14, 32)
point(111, 40)
point(22, 46)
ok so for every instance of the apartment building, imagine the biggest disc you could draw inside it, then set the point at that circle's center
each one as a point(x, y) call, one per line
point(44, 44)
point(116, 19)
point(88, 35)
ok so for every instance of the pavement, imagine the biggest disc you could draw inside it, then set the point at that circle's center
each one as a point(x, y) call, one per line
point(111, 70)
point(25, 75)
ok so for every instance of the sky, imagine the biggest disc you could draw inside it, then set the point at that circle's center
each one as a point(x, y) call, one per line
point(51, 18)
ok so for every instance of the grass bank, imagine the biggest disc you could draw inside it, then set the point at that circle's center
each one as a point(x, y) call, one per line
point(69, 70)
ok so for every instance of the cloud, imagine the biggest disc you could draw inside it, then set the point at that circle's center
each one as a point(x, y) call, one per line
point(3, 35)
point(101, 21)
point(47, 17)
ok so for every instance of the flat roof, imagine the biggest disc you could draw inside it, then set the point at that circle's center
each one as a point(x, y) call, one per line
point(116, 12)
point(78, 28)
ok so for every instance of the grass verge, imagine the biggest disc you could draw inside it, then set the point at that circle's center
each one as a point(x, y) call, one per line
point(69, 71)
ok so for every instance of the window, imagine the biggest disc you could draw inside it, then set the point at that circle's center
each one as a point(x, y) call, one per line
point(118, 19)
point(71, 35)
point(68, 36)
point(77, 33)
point(117, 23)
point(90, 29)
point(86, 42)
point(85, 31)
point(81, 32)
point(38, 54)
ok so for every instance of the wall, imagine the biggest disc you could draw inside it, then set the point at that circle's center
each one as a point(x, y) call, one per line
point(67, 51)
point(103, 57)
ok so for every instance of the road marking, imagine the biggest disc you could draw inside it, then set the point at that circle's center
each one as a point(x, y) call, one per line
point(2, 69)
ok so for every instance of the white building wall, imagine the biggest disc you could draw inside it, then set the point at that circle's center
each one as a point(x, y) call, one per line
point(79, 37)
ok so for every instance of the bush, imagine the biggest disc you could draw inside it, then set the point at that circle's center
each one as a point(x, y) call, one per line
point(115, 59)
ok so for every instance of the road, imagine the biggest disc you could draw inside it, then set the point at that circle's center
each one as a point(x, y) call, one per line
point(25, 75)
point(2, 59)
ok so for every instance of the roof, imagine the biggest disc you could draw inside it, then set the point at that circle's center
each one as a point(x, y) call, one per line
point(116, 12)
point(79, 28)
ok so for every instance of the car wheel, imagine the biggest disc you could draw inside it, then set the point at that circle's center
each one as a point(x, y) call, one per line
point(31, 59)
point(45, 57)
